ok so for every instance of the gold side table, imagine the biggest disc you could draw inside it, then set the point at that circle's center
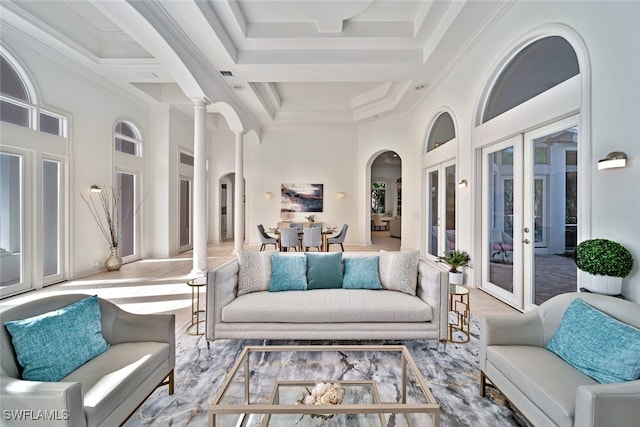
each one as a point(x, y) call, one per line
point(460, 307)
point(196, 311)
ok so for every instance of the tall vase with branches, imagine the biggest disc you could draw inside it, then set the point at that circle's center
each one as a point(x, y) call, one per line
point(106, 215)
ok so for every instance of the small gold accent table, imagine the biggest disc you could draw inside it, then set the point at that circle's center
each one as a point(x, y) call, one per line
point(266, 381)
point(195, 285)
point(461, 310)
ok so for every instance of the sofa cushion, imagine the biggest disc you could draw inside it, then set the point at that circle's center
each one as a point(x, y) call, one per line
point(327, 305)
point(324, 270)
point(597, 344)
point(116, 375)
point(254, 271)
point(399, 271)
point(288, 273)
point(53, 344)
point(547, 380)
point(361, 273)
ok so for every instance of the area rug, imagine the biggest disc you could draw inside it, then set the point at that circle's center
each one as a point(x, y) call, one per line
point(452, 373)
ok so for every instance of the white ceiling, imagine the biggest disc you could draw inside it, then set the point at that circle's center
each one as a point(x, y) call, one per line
point(293, 62)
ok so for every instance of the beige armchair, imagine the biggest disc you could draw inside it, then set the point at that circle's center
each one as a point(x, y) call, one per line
point(545, 388)
point(105, 390)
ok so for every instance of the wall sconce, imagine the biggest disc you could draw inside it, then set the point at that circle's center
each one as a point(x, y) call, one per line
point(340, 195)
point(268, 195)
point(615, 159)
point(95, 189)
point(462, 184)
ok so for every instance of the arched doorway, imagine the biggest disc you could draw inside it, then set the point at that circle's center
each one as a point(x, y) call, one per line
point(386, 199)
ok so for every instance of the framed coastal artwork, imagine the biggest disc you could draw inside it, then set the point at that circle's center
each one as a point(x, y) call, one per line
point(301, 197)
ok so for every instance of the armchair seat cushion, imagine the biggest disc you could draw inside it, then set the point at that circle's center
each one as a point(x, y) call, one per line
point(318, 305)
point(548, 381)
point(114, 377)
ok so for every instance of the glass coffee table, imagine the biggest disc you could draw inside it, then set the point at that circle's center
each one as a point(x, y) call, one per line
point(382, 386)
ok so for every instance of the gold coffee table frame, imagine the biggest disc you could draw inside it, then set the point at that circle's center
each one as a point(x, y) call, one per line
point(269, 407)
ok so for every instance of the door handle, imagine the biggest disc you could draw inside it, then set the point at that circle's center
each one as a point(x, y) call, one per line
point(526, 241)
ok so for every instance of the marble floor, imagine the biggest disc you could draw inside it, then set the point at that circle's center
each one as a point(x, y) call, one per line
point(159, 285)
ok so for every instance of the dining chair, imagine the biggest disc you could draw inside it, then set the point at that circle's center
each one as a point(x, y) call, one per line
point(339, 239)
point(265, 239)
point(312, 238)
point(289, 239)
point(315, 225)
point(297, 225)
point(378, 223)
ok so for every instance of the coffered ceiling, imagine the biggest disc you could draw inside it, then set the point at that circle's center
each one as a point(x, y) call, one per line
point(282, 62)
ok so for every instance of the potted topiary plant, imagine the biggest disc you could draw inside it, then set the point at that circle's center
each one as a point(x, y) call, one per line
point(455, 259)
point(606, 263)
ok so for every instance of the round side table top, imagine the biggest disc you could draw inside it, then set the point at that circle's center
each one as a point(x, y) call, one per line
point(458, 290)
point(198, 281)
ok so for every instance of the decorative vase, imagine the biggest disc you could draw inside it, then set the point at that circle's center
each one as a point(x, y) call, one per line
point(456, 278)
point(607, 285)
point(113, 261)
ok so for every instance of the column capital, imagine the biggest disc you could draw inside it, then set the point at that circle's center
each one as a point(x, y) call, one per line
point(200, 102)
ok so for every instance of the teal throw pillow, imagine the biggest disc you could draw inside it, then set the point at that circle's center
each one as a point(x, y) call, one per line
point(52, 345)
point(598, 345)
point(361, 273)
point(324, 270)
point(288, 273)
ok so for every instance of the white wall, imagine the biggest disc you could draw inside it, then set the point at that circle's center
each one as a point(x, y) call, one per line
point(94, 109)
point(610, 34)
point(304, 156)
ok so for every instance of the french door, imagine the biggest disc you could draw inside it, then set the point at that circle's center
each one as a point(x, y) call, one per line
point(441, 208)
point(529, 206)
point(31, 220)
point(128, 203)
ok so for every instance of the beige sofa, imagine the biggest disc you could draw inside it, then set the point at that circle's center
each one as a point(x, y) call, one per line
point(327, 314)
point(545, 388)
point(105, 390)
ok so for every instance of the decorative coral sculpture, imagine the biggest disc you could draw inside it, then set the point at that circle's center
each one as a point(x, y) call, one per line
point(323, 394)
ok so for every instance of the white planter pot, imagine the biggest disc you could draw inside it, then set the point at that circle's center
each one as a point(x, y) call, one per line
point(607, 285)
point(456, 278)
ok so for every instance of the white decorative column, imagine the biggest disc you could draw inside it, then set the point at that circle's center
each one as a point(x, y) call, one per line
point(238, 220)
point(199, 188)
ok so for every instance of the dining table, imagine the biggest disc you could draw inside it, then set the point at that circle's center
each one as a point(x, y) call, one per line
point(326, 233)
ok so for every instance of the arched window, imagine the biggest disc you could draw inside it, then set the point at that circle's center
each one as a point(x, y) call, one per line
point(18, 103)
point(127, 139)
point(537, 68)
point(442, 132)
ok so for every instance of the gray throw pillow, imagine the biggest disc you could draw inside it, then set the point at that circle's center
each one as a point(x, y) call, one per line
point(254, 271)
point(399, 271)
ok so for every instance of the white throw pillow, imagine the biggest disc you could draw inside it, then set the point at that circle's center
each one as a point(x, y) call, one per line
point(399, 271)
point(254, 271)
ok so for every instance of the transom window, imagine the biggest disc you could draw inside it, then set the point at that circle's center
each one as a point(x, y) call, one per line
point(18, 104)
point(537, 68)
point(128, 139)
point(442, 132)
